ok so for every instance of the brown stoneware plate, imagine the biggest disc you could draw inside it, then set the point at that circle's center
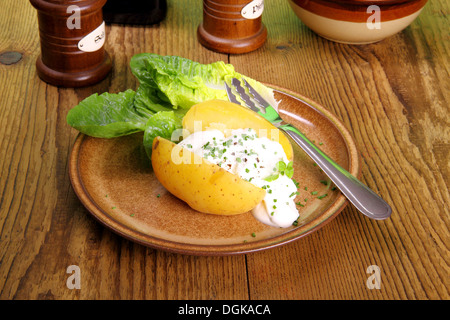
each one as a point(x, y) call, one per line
point(114, 181)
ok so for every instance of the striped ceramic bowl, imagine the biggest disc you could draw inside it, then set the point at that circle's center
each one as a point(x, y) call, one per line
point(357, 21)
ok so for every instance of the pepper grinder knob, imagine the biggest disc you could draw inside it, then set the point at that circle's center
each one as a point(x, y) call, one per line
point(232, 26)
point(72, 35)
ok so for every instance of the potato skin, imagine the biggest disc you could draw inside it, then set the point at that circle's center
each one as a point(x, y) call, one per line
point(204, 186)
point(224, 115)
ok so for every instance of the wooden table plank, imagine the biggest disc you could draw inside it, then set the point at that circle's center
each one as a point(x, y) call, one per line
point(393, 96)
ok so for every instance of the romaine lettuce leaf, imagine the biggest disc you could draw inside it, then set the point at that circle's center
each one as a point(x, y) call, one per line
point(108, 115)
point(147, 99)
point(183, 82)
point(162, 124)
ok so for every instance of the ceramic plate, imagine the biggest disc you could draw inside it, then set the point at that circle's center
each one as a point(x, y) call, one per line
point(114, 181)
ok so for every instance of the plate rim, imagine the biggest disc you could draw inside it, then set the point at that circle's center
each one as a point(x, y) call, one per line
point(226, 249)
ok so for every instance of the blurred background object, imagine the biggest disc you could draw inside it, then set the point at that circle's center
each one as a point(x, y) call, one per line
point(72, 35)
point(141, 12)
point(232, 26)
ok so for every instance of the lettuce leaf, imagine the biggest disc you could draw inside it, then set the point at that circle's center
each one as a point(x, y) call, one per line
point(182, 82)
point(179, 81)
point(108, 115)
point(162, 124)
point(147, 99)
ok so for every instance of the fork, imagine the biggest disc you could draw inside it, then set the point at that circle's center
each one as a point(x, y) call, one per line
point(361, 196)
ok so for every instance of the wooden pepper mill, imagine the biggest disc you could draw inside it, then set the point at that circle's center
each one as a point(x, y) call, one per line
point(232, 26)
point(72, 34)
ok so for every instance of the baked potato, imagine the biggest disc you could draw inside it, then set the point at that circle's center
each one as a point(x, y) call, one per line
point(205, 186)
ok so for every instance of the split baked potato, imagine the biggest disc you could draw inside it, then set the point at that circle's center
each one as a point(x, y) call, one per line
point(205, 186)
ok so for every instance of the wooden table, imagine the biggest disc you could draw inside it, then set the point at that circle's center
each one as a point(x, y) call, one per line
point(393, 96)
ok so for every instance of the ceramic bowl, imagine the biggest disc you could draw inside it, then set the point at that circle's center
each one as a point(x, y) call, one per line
point(357, 21)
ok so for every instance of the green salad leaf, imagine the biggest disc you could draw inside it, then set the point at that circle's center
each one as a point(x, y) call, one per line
point(168, 87)
point(162, 124)
point(182, 82)
point(108, 115)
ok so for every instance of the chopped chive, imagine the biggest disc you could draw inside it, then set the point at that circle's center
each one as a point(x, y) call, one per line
point(272, 177)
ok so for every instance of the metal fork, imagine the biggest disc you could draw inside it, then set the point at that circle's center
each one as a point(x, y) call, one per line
point(363, 198)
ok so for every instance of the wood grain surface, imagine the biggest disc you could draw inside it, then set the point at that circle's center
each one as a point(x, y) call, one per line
point(393, 96)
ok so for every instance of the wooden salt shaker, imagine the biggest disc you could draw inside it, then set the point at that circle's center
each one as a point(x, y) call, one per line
point(232, 26)
point(72, 35)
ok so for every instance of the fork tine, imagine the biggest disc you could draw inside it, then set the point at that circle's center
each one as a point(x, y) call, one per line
point(244, 96)
point(257, 97)
point(231, 95)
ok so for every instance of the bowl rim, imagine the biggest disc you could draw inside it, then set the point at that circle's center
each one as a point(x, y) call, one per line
point(369, 2)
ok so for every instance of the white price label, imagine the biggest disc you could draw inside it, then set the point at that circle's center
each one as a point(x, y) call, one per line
point(94, 40)
point(253, 10)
